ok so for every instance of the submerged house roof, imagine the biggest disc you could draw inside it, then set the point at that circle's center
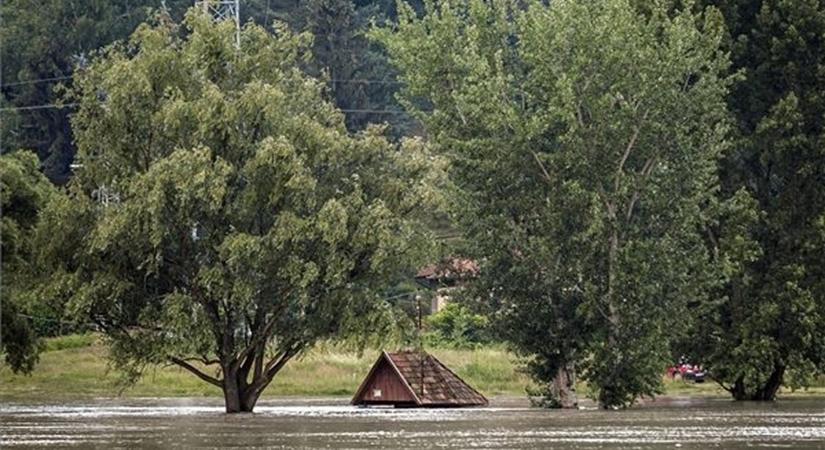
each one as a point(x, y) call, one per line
point(415, 379)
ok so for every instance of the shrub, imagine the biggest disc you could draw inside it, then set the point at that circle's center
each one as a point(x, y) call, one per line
point(457, 327)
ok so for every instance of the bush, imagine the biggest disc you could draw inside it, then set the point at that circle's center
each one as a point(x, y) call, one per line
point(455, 326)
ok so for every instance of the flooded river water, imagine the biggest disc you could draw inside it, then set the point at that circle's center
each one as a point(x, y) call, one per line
point(332, 424)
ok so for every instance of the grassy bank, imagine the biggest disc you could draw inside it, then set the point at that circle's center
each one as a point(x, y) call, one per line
point(76, 367)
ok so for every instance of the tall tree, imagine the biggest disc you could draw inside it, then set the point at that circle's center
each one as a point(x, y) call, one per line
point(767, 328)
point(584, 138)
point(237, 222)
point(24, 192)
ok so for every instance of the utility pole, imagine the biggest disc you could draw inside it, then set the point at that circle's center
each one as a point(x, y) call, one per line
point(420, 350)
point(224, 10)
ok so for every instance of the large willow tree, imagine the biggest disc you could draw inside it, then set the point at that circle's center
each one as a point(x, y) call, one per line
point(584, 137)
point(223, 219)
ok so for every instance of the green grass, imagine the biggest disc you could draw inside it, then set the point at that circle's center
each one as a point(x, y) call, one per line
point(69, 341)
point(709, 387)
point(75, 366)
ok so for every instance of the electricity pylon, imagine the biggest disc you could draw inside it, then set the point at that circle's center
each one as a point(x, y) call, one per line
point(224, 10)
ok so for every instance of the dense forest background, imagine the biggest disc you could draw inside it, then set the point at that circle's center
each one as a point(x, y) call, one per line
point(39, 53)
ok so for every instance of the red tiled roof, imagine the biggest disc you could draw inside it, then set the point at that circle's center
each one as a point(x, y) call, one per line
point(451, 268)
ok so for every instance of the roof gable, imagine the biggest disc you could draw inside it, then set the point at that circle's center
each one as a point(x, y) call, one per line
point(430, 382)
point(383, 359)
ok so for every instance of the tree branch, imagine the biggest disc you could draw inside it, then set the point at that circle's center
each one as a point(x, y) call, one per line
point(259, 362)
point(208, 362)
point(273, 367)
point(579, 105)
point(714, 242)
point(258, 339)
point(632, 143)
point(601, 311)
point(722, 385)
point(646, 171)
point(611, 209)
point(196, 371)
point(637, 129)
point(202, 359)
point(542, 167)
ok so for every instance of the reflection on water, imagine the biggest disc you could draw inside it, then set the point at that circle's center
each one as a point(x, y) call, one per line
point(182, 423)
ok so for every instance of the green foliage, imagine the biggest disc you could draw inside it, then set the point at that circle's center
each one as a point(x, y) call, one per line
point(584, 137)
point(457, 327)
point(245, 224)
point(23, 193)
point(21, 346)
point(767, 321)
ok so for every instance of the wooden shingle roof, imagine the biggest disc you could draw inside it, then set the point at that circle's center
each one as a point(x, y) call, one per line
point(430, 382)
point(451, 268)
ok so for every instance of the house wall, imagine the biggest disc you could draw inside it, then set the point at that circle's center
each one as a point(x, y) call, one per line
point(385, 386)
point(440, 299)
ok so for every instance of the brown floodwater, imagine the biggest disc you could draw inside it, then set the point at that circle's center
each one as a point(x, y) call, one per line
point(797, 423)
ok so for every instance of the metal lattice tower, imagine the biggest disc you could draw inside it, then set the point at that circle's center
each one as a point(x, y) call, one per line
point(224, 10)
point(106, 196)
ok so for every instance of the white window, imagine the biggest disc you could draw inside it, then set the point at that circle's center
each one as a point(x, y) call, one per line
point(376, 392)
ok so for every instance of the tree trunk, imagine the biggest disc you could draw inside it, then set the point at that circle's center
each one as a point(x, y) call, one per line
point(612, 312)
point(238, 396)
point(738, 390)
point(606, 391)
point(232, 393)
point(249, 400)
point(563, 387)
point(612, 315)
point(765, 393)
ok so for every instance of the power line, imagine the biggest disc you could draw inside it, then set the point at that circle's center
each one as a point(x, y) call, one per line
point(53, 320)
point(34, 107)
point(70, 105)
point(365, 81)
point(39, 80)
point(373, 111)
point(402, 295)
point(336, 80)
